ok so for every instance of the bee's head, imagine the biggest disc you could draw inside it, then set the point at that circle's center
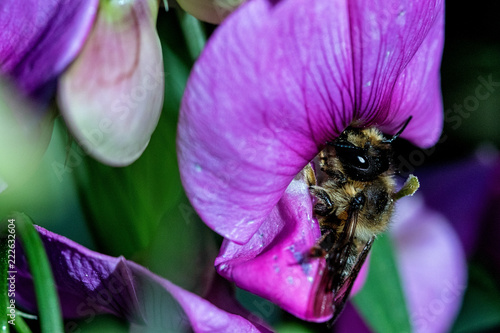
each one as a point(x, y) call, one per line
point(364, 153)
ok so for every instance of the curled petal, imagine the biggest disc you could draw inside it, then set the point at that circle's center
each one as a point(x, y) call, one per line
point(273, 263)
point(281, 78)
point(90, 283)
point(39, 40)
point(112, 95)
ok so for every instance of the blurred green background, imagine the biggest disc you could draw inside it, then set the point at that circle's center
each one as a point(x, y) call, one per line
point(141, 211)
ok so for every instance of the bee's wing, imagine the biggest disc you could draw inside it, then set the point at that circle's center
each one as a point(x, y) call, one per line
point(331, 288)
point(343, 292)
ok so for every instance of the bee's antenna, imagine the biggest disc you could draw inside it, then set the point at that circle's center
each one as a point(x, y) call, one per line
point(399, 132)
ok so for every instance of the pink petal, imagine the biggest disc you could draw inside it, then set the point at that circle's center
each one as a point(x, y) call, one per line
point(272, 264)
point(279, 79)
point(112, 95)
point(432, 265)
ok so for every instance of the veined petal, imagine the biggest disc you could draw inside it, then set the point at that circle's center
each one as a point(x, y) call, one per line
point(396, 51)
point(111, 97)
point(90, 283)
point(39, 39)
point(212, 11)
point(281, 78)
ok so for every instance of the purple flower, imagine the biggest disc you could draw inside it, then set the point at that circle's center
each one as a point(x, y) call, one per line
point(90, 283)
point(277, 80)
point(109, 56)
point(40, 39)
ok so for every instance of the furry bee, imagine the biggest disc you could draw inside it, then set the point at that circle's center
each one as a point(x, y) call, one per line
point(354, 196)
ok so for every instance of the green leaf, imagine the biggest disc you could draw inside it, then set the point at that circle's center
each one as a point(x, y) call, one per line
point(381, 302)
point(193, 33)
point(46, 295)
point(292, 328)
point(21, 326)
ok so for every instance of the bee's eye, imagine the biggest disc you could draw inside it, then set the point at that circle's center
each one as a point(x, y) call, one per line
point(356, 159)
point(358, 164)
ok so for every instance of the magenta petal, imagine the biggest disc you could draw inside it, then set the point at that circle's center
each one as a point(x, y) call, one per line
point(432, 265)
point(90, 283)
point(279, 79)
point(40, 38)
point(272, 263)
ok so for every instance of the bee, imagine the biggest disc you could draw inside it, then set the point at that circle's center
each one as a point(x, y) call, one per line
point(353, 197)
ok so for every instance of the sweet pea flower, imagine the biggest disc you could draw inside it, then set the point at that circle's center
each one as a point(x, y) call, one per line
point(277, 80)
point(90, 283)
point(103, 57)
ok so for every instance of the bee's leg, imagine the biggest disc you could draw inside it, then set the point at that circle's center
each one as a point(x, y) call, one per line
point(325, 242)
point(309, 175)
point(324, 204)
